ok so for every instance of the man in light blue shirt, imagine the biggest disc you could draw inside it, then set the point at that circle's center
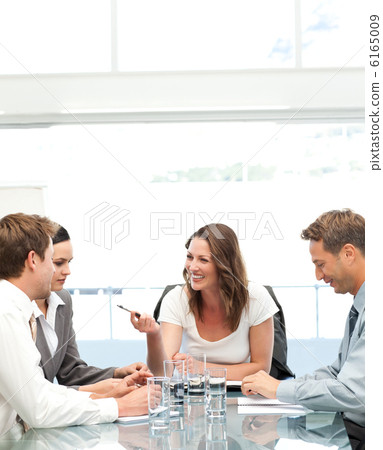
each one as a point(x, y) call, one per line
point(337, 243)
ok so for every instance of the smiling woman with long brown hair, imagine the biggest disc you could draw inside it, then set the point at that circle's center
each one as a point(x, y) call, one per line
point(217, 311)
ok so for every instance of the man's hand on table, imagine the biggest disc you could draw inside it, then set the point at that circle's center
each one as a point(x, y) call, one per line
point(260, 383)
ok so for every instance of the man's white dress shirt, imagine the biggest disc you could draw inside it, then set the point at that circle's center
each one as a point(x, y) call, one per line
point(23, 388)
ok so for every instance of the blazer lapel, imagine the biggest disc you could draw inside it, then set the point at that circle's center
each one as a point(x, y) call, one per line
point(46, 362)
point(60, 332)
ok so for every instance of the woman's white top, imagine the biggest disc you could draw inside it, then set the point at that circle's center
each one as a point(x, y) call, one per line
point(233, 349)
point(48, 324)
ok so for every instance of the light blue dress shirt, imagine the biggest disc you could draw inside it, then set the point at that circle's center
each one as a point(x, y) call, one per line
point(340, 386)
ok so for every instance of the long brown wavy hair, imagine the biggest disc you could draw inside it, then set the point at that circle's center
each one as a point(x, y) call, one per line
point(226, 255)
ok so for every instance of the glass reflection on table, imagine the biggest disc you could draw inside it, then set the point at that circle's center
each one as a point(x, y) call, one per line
point(191, 429)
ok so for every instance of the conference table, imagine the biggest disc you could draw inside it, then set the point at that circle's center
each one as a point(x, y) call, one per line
point(191, 429)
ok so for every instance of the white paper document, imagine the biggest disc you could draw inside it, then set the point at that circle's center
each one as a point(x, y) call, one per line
point(256, 404)
point(133, 419)
point(143, 418)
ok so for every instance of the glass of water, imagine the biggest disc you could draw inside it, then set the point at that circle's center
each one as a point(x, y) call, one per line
point(159, 402)
point(215, 391)
point(174, 370)
point(196, 365)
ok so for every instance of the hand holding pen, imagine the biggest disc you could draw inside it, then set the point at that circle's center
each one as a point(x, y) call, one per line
point(144, 323)
point(138, 315)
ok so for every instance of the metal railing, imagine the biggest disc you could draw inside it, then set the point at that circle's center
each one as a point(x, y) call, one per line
point(112, 292)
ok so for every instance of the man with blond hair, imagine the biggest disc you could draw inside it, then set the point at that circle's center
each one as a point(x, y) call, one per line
point(337, 245)
point(26, 270)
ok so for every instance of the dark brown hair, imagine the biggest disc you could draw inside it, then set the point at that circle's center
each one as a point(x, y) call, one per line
point(19, 234)
point(337, 228)
point(61, 235)
point(233, 282)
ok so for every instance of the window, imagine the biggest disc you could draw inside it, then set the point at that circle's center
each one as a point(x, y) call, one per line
point(177, 35)
point(200, 35)
point(47, 36)
point(331, 34)
point(284, 177)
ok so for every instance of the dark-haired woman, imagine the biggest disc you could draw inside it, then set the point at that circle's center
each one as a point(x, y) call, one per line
point(56, 340)
point(217, 311)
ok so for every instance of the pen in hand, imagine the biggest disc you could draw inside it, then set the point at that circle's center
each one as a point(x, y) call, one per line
point(126, 309)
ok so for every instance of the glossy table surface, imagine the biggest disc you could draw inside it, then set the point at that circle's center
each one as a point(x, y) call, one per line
point(193, 430)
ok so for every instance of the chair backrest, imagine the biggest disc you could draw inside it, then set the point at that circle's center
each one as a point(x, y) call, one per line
point(279, 368)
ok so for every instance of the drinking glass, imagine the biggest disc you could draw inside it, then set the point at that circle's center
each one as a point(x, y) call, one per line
point(215, 391)
point(196, 365)
point(159, 402)
point(174, 370)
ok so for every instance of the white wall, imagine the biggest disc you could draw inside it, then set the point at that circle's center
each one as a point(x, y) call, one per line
point(26, 199)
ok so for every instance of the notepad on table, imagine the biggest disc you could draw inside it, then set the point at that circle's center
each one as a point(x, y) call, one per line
point(233, 385)
point(257, 404)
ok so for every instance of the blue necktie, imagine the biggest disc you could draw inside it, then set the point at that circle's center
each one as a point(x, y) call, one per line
point(352, 318)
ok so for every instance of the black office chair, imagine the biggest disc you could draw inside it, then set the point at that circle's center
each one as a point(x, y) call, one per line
point(279, 368)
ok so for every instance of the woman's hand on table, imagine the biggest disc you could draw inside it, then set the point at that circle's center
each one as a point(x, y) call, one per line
point(122, 372)
point(138, 378)
point(119, 389)
point(182, 357)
